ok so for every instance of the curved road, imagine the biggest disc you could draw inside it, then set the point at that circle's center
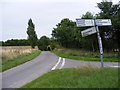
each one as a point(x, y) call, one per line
point(46, 61)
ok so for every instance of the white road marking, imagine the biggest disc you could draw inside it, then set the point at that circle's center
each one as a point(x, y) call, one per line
point(63, 63)
point(115, 66)
point(56, 64)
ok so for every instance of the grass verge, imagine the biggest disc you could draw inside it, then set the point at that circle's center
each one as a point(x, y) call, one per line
point(85, 56)
point(85, 77)
point(19, 60)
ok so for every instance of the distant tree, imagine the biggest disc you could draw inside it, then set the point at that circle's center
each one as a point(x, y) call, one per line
point(54, 44)
point(1, 43)
point(16, 42)
point(43, 43)
point(32, 37)
point(87, 15)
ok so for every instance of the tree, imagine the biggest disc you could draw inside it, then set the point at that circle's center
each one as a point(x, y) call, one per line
point(43, 43)
point(87, 15)
point(16, 42)
point(90, 40)
point(108, 10)
point(69, 35)
point(65, 33)
point(32, 37)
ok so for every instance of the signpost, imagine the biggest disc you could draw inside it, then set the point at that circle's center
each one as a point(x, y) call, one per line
point(92, 22)
point(95, 23)
point(103, 22)
point(85, 22)
point(100, 46)
point(88, 31)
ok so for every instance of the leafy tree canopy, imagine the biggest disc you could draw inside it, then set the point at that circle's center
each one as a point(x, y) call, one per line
point(43, 43)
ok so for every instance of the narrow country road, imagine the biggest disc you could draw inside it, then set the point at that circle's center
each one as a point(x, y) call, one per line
point(20, 75)
point(46, 61)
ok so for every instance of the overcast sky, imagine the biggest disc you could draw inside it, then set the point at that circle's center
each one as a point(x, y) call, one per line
point(44, 13)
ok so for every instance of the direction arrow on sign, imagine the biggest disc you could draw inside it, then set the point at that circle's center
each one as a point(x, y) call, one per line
point(88, 31)
point(84, 22)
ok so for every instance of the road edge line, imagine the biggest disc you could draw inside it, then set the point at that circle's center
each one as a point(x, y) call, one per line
point(56, 64)
point(115, 66)
point(63, 63)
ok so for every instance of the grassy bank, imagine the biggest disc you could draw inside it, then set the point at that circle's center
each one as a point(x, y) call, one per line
point(85, 77)
point(19, 60)
point(86, 55)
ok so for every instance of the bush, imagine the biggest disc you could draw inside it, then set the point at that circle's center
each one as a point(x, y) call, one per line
point(43, 43)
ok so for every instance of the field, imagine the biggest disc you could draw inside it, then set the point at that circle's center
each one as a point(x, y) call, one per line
point(79, 54)
point(85, 77)
point(15, 55)
point(11, 52)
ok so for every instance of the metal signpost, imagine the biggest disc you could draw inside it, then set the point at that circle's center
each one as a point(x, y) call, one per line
point(95, 23)
point(100, 44)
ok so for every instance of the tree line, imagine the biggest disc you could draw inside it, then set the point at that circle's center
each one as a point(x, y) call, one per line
point(67, 34)
point(15, 42)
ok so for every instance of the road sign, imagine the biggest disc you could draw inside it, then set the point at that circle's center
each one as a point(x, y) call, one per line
point(84, 22)
point(88, 31)
point(90, 22)
point(103, 22)
point(96, 23)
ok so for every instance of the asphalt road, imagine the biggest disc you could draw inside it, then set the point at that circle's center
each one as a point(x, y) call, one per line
point(46, 61)
point(20, 75)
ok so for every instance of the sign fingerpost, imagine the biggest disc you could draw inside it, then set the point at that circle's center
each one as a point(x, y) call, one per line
point(95, 23)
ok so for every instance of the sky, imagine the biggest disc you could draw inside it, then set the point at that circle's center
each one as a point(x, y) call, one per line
point(45, 14)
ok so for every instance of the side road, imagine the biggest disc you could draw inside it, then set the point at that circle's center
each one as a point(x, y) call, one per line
point(46, 61)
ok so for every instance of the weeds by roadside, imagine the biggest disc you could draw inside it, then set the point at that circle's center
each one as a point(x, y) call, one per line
point(84, 77)
point(78, 54)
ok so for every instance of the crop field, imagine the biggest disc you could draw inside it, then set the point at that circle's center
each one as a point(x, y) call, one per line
point(11, 52)
point(12, 56)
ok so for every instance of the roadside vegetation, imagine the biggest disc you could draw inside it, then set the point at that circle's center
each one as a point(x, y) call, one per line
point(15, 55)
point(68, 35)
point(85, 77)
point(84, 55)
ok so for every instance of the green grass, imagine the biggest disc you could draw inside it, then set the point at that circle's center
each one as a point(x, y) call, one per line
point(85, 77)
point(86, 55)
point(19, 60)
